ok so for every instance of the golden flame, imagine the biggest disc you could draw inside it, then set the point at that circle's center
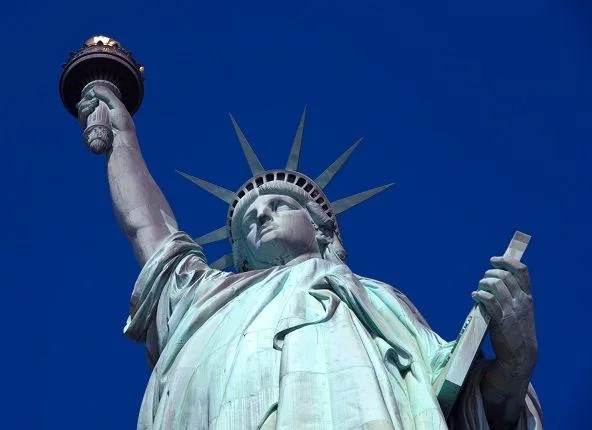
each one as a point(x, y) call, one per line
point(104, 40)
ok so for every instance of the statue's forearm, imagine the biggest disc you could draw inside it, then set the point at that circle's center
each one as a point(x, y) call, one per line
point(503, 397)
point(140, 207)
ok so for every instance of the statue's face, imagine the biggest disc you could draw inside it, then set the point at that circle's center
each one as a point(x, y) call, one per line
point(277, 230)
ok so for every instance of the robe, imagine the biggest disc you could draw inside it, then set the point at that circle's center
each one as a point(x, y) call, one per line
point(305, 346)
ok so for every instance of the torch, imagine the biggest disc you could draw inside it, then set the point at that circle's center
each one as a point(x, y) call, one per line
point(101, 61)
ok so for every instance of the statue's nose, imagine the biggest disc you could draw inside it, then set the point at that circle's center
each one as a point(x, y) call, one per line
point(263, 215)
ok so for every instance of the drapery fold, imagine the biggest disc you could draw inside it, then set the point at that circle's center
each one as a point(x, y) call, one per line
point(307, 346)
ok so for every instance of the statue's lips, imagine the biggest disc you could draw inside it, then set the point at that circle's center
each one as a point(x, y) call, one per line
point(267, 229)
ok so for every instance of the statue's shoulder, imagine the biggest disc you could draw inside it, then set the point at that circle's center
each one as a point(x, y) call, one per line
point(392, 291)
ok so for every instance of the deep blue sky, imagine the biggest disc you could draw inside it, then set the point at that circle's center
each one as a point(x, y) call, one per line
point(480, 113)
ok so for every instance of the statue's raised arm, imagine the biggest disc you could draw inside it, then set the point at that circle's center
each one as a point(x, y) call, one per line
point(140, 207)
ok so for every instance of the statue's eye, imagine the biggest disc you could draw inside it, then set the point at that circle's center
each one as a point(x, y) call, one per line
point(280, 206)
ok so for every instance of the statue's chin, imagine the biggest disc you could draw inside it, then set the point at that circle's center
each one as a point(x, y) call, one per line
point(269, 253)
point(270, 246)
point(272, 249)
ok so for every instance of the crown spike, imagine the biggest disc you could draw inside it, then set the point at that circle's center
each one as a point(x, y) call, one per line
point(222, 193)
point(254, 163)
point(213, 236)
point(294, 158)
point(325, 177)
point(342, 205)
point(223, 262)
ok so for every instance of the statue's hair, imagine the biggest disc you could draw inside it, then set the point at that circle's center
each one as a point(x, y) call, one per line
point(329, 241)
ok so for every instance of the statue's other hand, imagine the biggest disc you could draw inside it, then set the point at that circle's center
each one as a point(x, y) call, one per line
point(121, 120)
point(506, 294)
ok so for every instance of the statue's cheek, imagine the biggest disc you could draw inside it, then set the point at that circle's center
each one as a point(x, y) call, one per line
point(251, 239)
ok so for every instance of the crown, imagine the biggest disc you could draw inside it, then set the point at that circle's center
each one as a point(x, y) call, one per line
point(313, 188)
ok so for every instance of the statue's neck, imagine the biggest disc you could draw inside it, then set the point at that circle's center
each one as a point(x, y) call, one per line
point(286, 261)
point(303, 257)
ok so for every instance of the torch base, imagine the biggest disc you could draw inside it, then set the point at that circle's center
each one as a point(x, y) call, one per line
point(98, 138)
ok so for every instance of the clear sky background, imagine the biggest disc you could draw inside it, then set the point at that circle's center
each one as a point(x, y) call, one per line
point(479, 112)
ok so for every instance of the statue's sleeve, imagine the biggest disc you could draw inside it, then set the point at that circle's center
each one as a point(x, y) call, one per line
point(434, 349)
point(469, 412)
point(169, 282)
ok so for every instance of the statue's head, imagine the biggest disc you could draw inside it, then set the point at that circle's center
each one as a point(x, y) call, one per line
point(279, 215)
point(278, 222)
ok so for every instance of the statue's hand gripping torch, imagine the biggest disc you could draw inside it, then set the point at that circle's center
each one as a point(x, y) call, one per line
point(101, 61)
point(98, 130)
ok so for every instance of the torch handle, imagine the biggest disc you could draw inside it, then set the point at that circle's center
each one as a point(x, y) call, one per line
point(98, 134)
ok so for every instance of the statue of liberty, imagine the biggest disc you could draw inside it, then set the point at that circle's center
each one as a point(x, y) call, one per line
point(293, 339)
